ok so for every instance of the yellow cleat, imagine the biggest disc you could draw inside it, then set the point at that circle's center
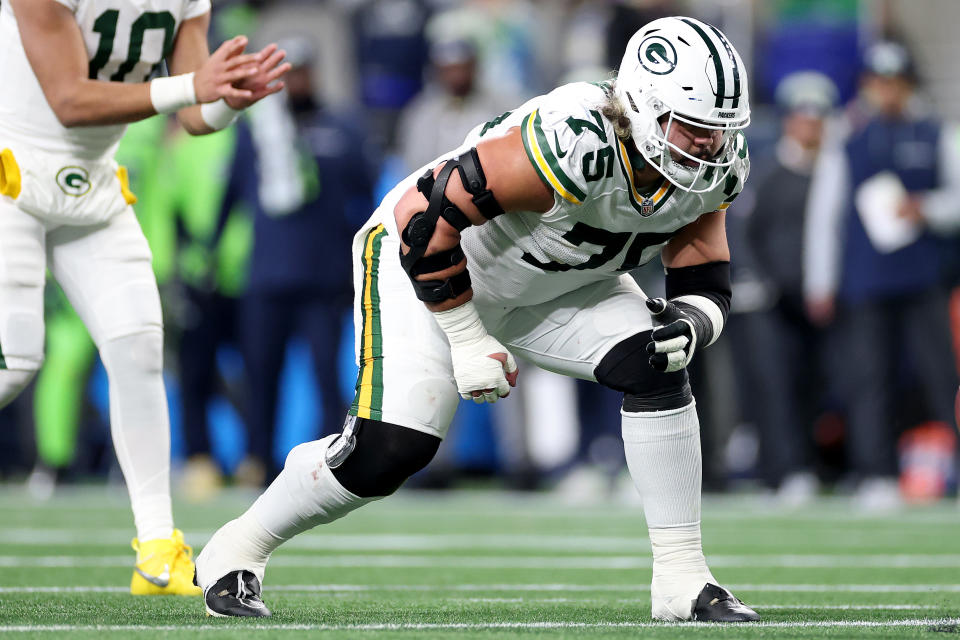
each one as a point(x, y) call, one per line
point(164, 568)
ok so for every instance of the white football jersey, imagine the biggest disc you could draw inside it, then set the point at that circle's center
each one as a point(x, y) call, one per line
point(601, 225)
point(126, 40)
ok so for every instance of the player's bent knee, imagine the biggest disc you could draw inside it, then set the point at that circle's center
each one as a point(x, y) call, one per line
point(625, 368)
point(140, 352)
point(12, 382)
point(385, 455)
point(130, 309)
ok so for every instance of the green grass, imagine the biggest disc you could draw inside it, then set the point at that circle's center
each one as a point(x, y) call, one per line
point(489, 565)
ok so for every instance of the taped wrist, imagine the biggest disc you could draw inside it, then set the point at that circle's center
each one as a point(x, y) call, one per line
point(703, 293)
point(172, 93)
point(462, 324)
point(218, 115)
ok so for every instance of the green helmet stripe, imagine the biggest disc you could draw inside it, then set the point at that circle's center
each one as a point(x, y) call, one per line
point(718, 65)
point(736, 67)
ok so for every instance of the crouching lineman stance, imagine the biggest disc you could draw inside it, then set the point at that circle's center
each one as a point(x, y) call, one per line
point(74, 71)
point(518, 243)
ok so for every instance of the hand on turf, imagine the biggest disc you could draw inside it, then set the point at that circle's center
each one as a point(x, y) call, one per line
point(674, 338)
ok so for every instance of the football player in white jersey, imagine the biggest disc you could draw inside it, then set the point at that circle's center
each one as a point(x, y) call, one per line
point(518, 243)
point(74, 72)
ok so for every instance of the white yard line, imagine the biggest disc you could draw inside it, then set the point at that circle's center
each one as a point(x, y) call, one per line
point(480, 561)
point(468, 626)
point(742, 507)
point(351, 542)
point(533, 588)
point(45, 536)
point(40, 537)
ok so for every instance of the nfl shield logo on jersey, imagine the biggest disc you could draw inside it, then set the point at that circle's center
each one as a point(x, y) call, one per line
point(646, 207)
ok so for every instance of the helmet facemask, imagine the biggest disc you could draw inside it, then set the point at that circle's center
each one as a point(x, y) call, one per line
point(682, 72)
point(668, 158)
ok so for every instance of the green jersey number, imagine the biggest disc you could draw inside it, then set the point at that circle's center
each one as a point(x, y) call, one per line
point(597, 165)
point(612, 242)
point(490, 125)
point(578, 125)
point(106, 26)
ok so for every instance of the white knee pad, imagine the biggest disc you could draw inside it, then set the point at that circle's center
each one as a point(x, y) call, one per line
point(135, 354)
point(21, 339)
point(12, 382)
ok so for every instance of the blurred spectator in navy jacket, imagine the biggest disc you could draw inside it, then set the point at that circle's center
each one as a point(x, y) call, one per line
point(784, 344)
point(880, 207)
point(391, 50)
point(308, 174)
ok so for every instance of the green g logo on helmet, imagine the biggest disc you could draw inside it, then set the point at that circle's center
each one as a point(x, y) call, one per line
point(657, 55)
point(73, 181)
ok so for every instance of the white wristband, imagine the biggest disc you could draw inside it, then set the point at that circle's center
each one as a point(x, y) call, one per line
point(709, 308)
point(172, 93)
point(461, 324)
point(218, 115)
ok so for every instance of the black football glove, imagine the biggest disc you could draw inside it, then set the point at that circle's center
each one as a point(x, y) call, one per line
point(674, 335)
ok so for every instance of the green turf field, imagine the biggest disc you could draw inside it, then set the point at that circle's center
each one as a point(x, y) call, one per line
point(477, 564)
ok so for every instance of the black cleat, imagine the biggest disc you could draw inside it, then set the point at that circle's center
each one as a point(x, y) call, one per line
point(236, 594)
point(716, 604)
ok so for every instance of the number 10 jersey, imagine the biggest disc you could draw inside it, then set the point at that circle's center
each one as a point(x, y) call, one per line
point(125, 42)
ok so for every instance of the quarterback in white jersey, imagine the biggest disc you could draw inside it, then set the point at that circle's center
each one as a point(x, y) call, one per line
point(74, 73)
point(518, 244)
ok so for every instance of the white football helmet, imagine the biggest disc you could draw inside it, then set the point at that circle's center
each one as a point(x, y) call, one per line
point(687, 70)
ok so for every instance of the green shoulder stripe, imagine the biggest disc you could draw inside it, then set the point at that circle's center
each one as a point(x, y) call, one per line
point(545, 161)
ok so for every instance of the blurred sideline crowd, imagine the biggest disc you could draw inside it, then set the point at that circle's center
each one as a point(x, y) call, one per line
point(838, 369)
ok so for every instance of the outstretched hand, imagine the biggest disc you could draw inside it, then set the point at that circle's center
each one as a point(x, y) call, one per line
point(225, 68)
point(269, 67)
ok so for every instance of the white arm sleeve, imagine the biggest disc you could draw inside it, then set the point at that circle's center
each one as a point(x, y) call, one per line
point(941, 207)
point(823, 223)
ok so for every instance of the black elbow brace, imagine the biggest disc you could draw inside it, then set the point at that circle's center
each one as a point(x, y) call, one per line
point(422, 225)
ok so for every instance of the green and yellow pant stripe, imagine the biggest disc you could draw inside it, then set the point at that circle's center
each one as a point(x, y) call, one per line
point(368, 400)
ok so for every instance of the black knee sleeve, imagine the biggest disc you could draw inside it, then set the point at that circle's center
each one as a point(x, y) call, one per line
point(625, 368)
point(384, 457)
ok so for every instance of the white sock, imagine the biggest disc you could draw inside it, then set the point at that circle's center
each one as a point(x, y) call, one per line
point(140, 425)
point(304, 495)
point(663, 454)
